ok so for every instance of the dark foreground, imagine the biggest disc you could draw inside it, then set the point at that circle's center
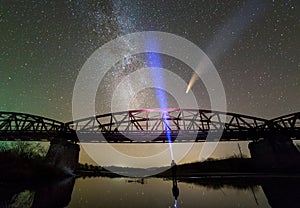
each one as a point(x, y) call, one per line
point(19, 171)
point(45, 186)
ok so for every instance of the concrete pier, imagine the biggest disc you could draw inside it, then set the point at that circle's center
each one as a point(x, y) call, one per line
point(63, 154)
point(277, 152)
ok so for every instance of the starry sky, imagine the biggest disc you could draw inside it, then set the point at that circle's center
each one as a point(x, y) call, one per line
point(254, 46)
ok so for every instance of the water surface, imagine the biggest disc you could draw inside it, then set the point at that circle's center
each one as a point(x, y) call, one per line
point(157, 192)
point(215, 191)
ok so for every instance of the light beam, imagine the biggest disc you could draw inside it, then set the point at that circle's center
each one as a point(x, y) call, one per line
point(154, 60)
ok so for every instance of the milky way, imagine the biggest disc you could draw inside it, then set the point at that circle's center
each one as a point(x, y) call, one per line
point(45, 43)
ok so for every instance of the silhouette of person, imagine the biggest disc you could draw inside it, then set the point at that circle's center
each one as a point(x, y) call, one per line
point(174, 169)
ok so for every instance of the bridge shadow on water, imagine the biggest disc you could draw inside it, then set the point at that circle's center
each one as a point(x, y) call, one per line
point(279, 191)
point(283, 193)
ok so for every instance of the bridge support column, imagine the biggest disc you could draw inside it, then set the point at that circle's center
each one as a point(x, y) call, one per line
point(275, 152)
point(63, 154)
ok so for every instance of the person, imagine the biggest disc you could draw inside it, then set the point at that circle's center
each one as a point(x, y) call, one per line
point(173, 163)
point(174, 170)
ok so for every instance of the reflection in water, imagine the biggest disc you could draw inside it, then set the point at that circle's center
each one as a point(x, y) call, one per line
point(54, 195)
point(175, 189)
point(155, 192)
point(283, 193)
point(23, 199)
point(47, 195)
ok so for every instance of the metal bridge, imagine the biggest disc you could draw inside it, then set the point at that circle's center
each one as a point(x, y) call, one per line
point(27, 127)
point(148, 125)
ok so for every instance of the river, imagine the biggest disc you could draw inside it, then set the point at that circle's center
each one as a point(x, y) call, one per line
point(155, 192)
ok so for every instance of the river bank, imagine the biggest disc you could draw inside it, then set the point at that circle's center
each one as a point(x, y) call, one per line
point(230, 167)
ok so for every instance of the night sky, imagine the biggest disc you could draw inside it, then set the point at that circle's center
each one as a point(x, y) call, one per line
point(254, 46)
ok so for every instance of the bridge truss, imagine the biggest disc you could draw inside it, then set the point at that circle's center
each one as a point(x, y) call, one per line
point(148, 125)
point(183, 125)
point(21, 126)
point(288, 125)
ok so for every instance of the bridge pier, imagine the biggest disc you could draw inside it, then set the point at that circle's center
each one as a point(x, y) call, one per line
point(275, 152)
point(63, 154)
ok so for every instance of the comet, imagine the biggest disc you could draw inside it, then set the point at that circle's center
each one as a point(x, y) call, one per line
point(193, 79)
point(229, 33)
